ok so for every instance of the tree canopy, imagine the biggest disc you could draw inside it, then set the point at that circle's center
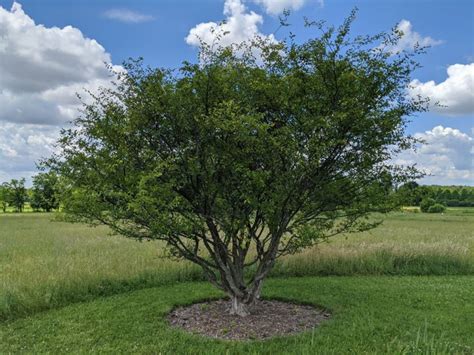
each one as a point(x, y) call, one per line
point(412, 194)
point(45, 191)
point(15, 193)
point(4, 197)
point(253, 152)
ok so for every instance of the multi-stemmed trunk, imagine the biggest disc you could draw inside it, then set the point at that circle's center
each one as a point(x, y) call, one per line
point(228, 269)
point(241, 306)
point(244, 295)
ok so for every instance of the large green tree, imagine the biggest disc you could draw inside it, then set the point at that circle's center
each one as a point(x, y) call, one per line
point(4, 196)
point(17, 194)
point(45, 191)
point(253, 152)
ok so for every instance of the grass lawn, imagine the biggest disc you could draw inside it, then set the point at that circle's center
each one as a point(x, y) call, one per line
point(52, 266)
point(45, 264)
point(371, 314)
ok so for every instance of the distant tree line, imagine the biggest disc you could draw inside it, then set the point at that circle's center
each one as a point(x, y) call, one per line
point(414, 194)
point(42, 196)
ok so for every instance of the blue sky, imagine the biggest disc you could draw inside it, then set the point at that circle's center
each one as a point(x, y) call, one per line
point(32, 110)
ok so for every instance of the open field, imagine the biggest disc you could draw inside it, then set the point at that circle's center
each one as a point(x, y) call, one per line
point(371, 314)
point(405, 244)
point(46, 264)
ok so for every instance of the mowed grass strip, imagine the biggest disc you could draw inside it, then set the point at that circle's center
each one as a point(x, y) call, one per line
point(45, 264)
point(375, 314)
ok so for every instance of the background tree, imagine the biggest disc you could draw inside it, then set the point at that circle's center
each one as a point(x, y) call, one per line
point(436, 208)
point(410, 193)
point(426, 204)
point(257, 151)
point(453, 196)
point(465, 194)
point(4, 196)
point(35, 200)
point(45, 191)
point(17, 194)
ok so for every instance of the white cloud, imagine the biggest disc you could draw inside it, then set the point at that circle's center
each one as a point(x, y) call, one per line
point(41, 69)
point(455, 94)
point(127, 16)
point(447, 156)
point(410, 39)
point(240, 25)
point(275, 7)
point(21, 145)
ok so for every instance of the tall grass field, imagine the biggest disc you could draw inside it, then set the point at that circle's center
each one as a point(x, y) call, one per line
point(46, 264)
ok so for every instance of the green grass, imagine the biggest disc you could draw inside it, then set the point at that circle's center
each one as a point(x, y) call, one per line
point(375, 314)
point(46, 264)
point(405, 244)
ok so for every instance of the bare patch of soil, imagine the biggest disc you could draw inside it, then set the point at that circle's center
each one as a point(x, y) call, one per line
point(267, 319)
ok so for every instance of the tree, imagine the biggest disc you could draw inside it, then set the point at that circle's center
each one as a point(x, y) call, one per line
point(45, 191)
point(436, 208)
point(426, 204)
point(465, 194)
point(4, 197)
point(17, 195)
point(35, 200)
point(254, 152)
point(410, 193)
point(455, 195)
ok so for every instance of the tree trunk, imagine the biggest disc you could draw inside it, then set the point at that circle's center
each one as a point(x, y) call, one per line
point(239, 307)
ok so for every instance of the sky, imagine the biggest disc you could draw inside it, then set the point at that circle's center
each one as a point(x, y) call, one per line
point(51, 49)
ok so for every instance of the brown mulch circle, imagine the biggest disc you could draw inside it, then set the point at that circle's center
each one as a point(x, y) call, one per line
point(268, 319)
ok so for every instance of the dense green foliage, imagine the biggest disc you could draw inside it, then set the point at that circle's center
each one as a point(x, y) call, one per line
point(13, 193)
point(4, 197)
point(264, 147)
point(426, 203)
point(43, 196)
point(436, 208)
point(371, 315)
point(45, 192)
point(452, 196)
point(49, 264)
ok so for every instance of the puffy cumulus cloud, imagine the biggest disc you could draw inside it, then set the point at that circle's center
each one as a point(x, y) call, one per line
point(127, 16)
point(410, 39)
point(455, 95)
point(275, 7)
point(447, 156)
point(240, 25)
point(42, 68)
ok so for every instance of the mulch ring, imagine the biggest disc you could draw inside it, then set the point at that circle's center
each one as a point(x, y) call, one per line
point(268, 319)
